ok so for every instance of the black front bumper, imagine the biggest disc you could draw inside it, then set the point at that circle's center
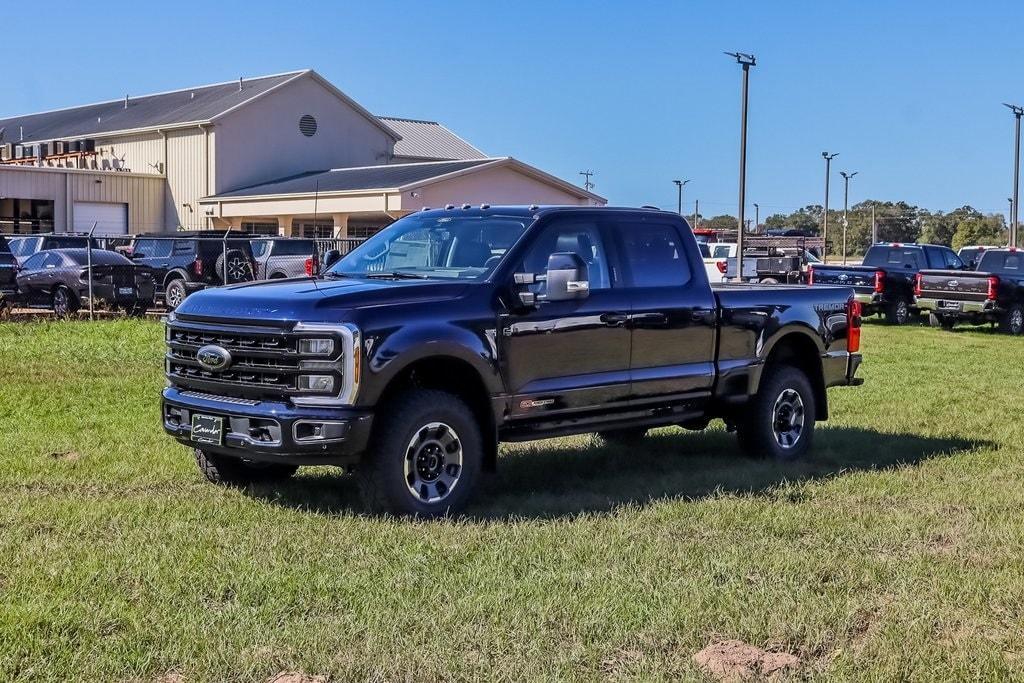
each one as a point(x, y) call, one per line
point(267, 431)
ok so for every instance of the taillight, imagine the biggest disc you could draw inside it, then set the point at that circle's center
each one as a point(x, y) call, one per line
point(917, 284)
point(810, 276)
point(879, 281)
point(853, 313)
point(309, 266)
point(722, 266)
point(993, 285)
point(197, 267)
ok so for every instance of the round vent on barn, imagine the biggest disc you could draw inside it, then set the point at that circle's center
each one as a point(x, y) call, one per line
point(307, 124)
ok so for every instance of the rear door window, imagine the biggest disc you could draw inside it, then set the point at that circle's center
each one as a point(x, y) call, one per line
point(653, 254)
point(155, 248)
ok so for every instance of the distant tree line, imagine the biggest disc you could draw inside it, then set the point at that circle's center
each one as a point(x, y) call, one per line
point(897, 222)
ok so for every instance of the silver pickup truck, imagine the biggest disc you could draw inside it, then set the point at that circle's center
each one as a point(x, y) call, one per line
point(284, 257)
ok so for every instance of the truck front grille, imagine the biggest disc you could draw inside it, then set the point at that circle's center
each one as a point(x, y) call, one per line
point(265, 363)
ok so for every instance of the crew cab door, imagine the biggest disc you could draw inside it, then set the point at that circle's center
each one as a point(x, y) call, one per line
point(561, 357)
point(673, 311)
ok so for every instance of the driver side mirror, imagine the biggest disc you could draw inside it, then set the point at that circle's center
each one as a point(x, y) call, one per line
point(331, 257)
point(568, 277)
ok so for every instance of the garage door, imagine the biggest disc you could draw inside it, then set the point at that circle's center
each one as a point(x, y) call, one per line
point(110, 218)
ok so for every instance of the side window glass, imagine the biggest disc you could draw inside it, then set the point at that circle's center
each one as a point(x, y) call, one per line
point(35, 261)
point(653, 254)
point(52, 260)
point(182, 247)
point(581, 237)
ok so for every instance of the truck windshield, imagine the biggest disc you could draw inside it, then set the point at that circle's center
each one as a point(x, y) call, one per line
point(447, 247)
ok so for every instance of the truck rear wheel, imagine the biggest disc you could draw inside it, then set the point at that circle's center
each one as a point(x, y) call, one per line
point(229, 471)
point(1012, 321)
point(897, 312)
point(779, 420)
point(424, 458)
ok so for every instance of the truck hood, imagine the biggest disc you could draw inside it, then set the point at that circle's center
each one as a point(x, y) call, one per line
point(311, 299)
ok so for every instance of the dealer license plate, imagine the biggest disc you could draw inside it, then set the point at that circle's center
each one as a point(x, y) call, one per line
point(950, 305)
point(207, 429)
point(126, 291)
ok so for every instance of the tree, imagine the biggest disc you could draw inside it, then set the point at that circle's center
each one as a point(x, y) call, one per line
point(986, 230)
point(723, 222)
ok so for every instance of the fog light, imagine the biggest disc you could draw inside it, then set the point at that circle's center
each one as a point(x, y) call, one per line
point(316, 347)
point(323, 383)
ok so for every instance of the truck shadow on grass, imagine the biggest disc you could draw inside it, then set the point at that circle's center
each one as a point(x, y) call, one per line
point(565, 477)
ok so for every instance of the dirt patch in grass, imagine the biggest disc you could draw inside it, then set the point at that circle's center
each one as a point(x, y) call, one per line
point(66, 456)
point(734, 660)
point(296, 677)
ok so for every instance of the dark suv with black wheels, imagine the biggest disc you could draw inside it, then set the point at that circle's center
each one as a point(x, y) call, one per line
point(185, 264)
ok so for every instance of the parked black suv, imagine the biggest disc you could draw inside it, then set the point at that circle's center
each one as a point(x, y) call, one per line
point(452, 330)
point(884, 282)
point(184, 264)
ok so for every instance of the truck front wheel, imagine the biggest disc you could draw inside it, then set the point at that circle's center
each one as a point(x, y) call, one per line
point(425, 456)
point(223, 469)
point(779, 420)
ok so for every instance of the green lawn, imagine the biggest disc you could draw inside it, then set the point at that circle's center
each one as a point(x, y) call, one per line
point(895, 553)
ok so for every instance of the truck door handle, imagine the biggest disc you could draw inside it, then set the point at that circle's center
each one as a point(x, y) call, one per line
point(614, 319)
point(650, 318)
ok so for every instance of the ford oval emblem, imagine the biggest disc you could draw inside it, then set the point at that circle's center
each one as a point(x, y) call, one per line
point(844, 277)
point(952, 284)
point(215, 358)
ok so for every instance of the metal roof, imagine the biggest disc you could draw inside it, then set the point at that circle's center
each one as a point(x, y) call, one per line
point(429, 140)
point(200, 104)
point(361, 178)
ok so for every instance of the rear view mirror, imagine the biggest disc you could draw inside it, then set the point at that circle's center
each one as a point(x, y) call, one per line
point(567, 277)
point(331, 257)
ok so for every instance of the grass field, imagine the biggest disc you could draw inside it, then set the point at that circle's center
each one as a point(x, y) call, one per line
point(895, 553)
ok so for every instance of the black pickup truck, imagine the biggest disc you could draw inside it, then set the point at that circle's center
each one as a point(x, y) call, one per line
point(993, 293)
point(8, 271)
point(410, 358)
point(884, 282)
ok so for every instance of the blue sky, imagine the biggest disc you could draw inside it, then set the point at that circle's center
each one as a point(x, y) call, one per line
point(907, 92)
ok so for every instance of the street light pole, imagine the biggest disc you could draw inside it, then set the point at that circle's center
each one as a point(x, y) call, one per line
point(696, 214)
point(846, 205)
point(679, 186)
point(746, 61)
point(1009, 217)
point(1018, 111)
point(824, 230)
point(757, 217)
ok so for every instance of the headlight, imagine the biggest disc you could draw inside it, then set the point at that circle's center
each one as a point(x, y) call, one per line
point(316, 347)
point(320, 383)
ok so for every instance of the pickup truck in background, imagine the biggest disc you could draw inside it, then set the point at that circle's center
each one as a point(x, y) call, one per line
point(885, 280)
point(282, 257)
point(971, 255)
point(993, 293)
point(451, 330)
point(8, 271)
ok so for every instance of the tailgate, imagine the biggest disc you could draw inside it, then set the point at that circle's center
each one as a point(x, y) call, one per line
point(849, 276)
point(955, 285)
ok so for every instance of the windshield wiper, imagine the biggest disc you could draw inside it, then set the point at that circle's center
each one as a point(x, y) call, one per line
point(398, 275)
point(335, 275)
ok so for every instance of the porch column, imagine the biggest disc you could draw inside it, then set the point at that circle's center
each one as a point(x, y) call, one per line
point(340, 225)
point(284, 226)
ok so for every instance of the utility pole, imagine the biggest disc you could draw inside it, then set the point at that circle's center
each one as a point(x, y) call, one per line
point(1008, 219)
point(746, 61)
point(696, 214)
point(824, 230)
point(679, 186)
point(587, 185)
point(1018, 111)
point(846, 205)
point(757, 217)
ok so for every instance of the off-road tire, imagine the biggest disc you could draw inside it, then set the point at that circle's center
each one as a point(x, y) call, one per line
point(382, 477)
point(756, 425)
point(898, 312)
point(1012, 321)
point(228, 471)
point(623, 437)
point(239, 268)
point(64, 302)
point(175, 293)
